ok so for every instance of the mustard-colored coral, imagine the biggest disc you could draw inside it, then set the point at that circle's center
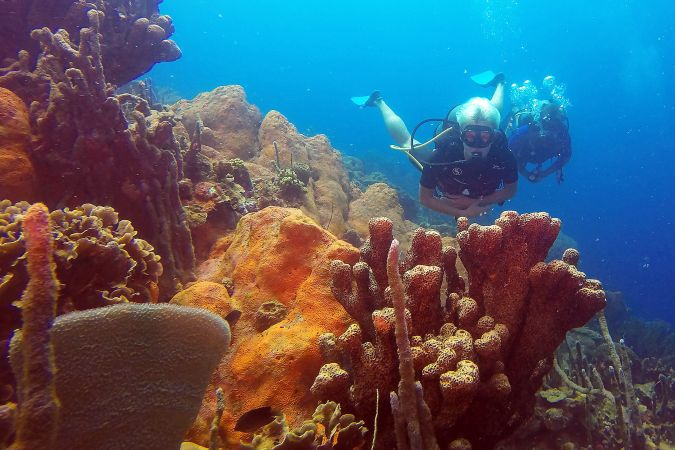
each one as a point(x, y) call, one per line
point(329, 429)
point(99, 260)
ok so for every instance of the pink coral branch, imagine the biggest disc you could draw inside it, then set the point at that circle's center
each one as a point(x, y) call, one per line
point(406, 387)
point(37, 399)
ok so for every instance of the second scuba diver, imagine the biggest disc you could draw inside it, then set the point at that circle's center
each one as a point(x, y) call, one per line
point(539, 130)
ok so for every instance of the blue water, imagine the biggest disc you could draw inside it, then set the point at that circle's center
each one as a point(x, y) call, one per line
point(617, 58)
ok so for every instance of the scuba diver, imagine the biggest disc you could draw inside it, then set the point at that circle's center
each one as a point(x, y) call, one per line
point(469, 166)
point(539, 130)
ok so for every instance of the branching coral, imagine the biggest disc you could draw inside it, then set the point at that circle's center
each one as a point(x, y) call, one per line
point(481, 358)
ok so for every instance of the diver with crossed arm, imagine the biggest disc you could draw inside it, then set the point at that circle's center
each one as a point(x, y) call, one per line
point(467, 166)
point(539, 130)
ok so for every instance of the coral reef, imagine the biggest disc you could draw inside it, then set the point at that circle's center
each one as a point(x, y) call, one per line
point(267, 157)
point(87, 369)
point(648, 339)
point(81, 134)
point(230, 122)
point(98, 259)
point(329, 429)
point(595, 405)
point(327, 195)
point(380, 200)
point(480, 352)
point(602, 394)
point(136, 35)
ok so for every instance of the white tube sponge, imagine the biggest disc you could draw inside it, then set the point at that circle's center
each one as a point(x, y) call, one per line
point(133, 375)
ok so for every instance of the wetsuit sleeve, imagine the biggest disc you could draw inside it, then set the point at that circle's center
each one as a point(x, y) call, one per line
point(429, 177)
point(510, 168)
point(562, 159)
point(517, 140)
point(566, 152)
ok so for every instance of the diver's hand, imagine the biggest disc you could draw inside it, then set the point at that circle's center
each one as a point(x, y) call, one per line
point(476, 210)
point(462, 201)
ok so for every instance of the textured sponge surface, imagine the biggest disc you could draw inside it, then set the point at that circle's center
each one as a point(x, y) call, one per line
point(132, 376)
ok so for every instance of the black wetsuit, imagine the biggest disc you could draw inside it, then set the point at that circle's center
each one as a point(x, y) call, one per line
point(532, 145)
point(446, 170)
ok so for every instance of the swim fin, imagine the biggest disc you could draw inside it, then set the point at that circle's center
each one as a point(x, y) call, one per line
point(487, 78)
point(367, 100)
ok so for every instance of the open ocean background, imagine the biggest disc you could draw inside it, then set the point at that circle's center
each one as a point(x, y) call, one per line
point(617, 59)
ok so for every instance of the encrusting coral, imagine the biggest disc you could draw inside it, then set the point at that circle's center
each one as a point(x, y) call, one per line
point(480, 351)
point(84, 380)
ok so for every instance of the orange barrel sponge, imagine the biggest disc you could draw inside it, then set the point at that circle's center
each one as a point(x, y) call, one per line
point(17, 175)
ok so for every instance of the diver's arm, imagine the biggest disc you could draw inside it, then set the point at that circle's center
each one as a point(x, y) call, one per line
point(522, 169)
point(444, 205)
point(501, 195)
point(558, 164)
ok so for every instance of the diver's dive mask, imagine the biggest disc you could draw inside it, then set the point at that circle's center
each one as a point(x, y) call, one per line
point(478, 136)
